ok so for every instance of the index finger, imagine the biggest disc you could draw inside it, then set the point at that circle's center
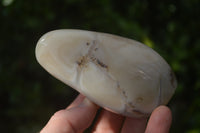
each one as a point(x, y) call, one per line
point(74, 119)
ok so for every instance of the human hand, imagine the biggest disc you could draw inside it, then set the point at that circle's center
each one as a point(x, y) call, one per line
point(80, 114)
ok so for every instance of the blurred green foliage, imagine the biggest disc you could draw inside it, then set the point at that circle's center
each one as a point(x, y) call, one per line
point(29, 95)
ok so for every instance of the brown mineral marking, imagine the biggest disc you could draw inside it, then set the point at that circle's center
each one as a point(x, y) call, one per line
point(87, 43)
point(92, 58)
point(131, 105)
point(124, 92)
point(101, 64)
point(78, 62)
point(139, 99)
point(81, 61)
point(95, 49)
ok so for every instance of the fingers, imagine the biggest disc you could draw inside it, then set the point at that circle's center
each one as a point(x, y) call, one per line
point(76, 118)
point(134, 125)
point(80, 114)
point(108, 122)
point(160, 120)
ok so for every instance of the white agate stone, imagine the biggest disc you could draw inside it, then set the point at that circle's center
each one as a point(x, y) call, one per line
point(119, 74)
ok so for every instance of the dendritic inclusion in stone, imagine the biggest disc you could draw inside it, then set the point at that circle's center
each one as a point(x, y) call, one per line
point(119, 74)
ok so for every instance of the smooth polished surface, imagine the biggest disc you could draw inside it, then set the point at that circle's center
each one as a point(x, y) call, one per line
point(119, 74)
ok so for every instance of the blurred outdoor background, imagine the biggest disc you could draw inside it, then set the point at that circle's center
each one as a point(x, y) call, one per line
point(29, 95)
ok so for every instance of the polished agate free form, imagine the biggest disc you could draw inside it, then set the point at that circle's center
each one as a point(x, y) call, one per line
point(117, 73)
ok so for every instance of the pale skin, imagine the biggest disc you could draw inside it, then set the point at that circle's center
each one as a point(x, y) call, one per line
point(80, 114)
